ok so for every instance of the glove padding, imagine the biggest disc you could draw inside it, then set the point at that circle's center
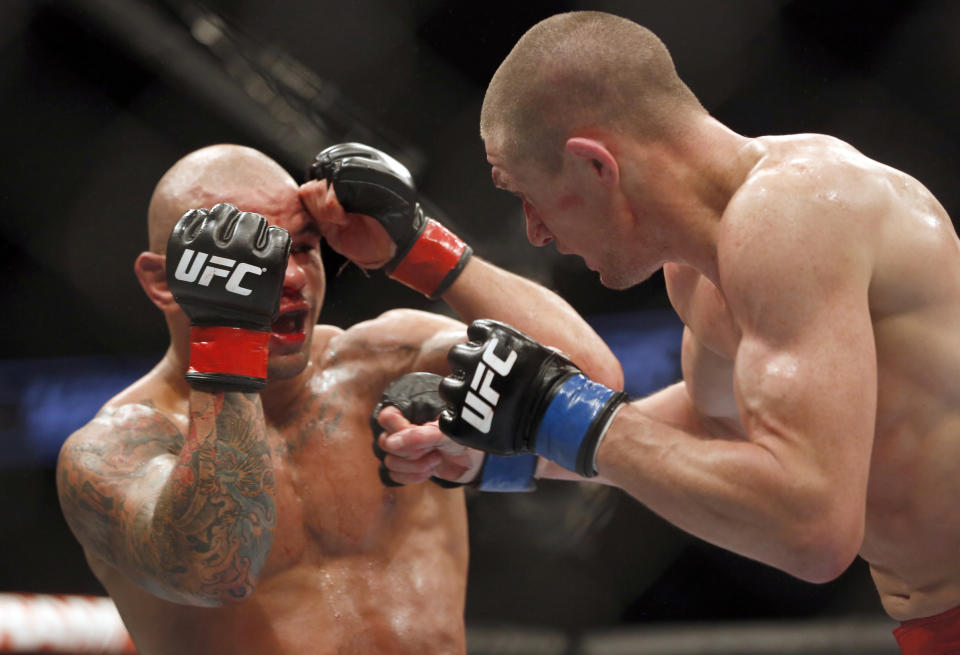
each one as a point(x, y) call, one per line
point(509, 394)
point(367, 181)
point(225, 268)
point(416, 396)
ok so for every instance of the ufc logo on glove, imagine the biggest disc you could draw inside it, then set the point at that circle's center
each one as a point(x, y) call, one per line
point(189, 273)
point(475, 411)
point(547, 406)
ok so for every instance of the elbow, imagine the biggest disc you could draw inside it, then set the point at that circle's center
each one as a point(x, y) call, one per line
point(218, 593)
point(821, 550)
point(235, 595)
point(227, 580)
point(821, 564)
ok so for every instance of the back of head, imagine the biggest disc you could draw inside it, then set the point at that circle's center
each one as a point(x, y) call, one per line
point(205, 177)
point(579, 70)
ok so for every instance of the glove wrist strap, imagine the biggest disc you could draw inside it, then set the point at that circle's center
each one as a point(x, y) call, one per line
point(504, 474)
point(228, 350)
point(434, 261)
point(575, 421)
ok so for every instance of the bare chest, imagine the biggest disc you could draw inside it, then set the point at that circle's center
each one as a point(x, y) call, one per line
point(710, 342)
point(329, 498)
point(703, 309)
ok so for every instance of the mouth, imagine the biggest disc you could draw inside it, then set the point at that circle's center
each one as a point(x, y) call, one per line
point(290, 325)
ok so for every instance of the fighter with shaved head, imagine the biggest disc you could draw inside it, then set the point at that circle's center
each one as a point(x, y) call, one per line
point(230, 500)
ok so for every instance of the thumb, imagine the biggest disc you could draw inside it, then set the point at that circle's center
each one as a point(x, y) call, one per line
point(318, 198)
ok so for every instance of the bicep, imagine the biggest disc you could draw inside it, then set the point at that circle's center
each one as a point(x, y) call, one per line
point(796, 272)
point(708, 378)
point(810, 395)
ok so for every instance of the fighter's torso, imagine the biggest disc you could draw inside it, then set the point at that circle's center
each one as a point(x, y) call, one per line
point(355, 567)
point(912, 528)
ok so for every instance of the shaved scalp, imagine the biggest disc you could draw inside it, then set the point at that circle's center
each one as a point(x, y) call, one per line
point(576, 71)
point(205, 177)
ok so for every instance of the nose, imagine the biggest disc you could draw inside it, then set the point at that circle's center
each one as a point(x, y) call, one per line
point(537, 232)
point(295, 278)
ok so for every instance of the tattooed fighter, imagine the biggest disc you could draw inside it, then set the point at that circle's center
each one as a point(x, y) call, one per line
point(230, 500)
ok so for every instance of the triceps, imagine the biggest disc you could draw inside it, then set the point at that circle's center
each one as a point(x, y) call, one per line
point(109, 475)
point(188, 517)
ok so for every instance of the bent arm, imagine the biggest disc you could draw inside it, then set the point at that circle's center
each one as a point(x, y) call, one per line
point(790, 490)
point(190, 517)
point(484, 290)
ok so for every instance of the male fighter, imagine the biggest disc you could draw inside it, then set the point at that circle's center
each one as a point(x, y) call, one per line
point(819, 412)
point(229, 500)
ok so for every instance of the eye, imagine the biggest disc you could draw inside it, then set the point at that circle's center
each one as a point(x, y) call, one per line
point(302, 247)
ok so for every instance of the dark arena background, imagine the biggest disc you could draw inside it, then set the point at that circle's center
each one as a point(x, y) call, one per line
point(100, 97)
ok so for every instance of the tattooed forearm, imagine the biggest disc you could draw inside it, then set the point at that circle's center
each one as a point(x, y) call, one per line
point(217, 511)
point(190, 517)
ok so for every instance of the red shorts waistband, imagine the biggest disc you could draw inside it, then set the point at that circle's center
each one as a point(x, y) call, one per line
point(931, 635)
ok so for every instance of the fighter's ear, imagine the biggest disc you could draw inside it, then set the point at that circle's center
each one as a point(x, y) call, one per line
point(597, 155)
point(151, 270)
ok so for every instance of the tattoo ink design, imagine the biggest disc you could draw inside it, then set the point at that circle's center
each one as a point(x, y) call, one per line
point(189, 518)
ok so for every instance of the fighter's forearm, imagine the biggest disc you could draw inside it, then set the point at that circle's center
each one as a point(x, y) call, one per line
point(212, 526)
point(725, 489)
point(487, 291)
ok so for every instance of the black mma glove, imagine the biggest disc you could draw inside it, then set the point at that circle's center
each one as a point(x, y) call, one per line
point(416, 396)
point(509, 394)
point(225, 268)
point(367, 181)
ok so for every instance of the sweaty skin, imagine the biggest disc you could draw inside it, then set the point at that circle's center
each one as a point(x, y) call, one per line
point(833, 346)
point(819, 413)
point(354, 567)
point(257, 523)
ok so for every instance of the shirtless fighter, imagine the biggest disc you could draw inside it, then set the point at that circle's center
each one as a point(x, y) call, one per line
point(240, 510)
point(819, 412)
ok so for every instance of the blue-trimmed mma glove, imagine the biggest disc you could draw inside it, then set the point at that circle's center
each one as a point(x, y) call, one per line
point(225, 268)
point(429, 257)
point(509, 394)
point(417, 397)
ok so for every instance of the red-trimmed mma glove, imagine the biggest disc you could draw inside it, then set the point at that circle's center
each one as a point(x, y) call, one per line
point(367, 181)
point(509, 394)
point(225, 268)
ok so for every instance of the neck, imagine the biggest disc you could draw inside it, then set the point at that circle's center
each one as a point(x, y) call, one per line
point(282, 398)
point(698, 173)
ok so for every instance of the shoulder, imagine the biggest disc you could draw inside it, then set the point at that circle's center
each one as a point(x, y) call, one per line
point(398, 341)
point(808, 191)
point(409, 327)
point(323, 335)
point(134, 431)
point(801, 172)
point(804, 222)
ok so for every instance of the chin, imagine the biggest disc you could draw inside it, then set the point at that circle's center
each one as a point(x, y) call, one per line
point(619, 281)
point(615, 282)
point(287, 362)
point(286, 366)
